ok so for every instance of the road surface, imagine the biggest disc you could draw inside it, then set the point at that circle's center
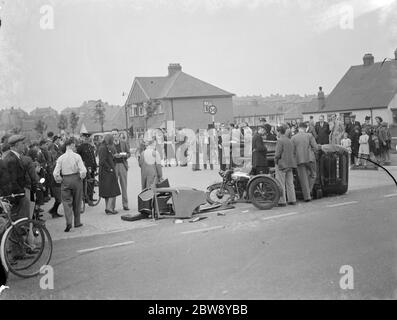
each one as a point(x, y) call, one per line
point(286, 253)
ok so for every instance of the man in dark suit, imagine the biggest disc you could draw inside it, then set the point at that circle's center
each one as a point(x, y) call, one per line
point(87, 152)
point(304, 152)
point(322, 131)
point(355, 123)
point(20, 181)
point(259, 151)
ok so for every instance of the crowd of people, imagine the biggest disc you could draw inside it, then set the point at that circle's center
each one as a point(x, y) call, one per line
point(68, 166)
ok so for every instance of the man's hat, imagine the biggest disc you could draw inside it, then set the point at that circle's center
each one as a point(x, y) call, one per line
point(367, 118)
point(55, 138)
point(15, 138)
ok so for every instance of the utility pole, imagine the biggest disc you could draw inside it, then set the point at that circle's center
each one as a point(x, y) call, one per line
point(126, 118)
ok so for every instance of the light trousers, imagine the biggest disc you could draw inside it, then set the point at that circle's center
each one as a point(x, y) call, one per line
point(286, 179)
point(307, 178)
point(122, 173)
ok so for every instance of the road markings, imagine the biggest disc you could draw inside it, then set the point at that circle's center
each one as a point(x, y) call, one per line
point(280, 216)
point(203, 230)
point(341, 204)
point(390, 195)
point(106, 246)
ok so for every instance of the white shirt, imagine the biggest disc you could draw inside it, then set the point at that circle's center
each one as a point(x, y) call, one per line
point(69, 163)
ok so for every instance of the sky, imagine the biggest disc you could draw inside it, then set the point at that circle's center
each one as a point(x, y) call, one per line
point(60, 53)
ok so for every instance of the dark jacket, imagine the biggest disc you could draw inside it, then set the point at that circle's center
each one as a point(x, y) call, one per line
point(5, 183)
point(259, 151)
point(19, 179)
point(108, 184)
point(284, 155)
point(322, 133)
point(124, 148)
point(87, 153)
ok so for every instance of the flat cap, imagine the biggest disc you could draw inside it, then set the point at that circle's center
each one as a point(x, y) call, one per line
point(15, 138)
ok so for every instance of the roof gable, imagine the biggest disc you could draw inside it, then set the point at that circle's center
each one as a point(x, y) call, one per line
point(178, 85)
point(185, 85)
point(363, 87)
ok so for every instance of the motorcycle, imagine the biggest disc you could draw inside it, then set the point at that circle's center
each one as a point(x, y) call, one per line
point(263, 191)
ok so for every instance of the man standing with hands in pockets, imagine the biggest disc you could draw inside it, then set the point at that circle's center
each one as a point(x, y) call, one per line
point(121, 155)
point(70, 172)
point(304, 152)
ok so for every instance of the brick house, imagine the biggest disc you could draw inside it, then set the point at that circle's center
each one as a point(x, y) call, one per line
point(369, 89)
point(178, 97)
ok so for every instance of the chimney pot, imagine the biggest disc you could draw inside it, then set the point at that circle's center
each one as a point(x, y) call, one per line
point(321, 98)
point(174, 68)
point(368, 59)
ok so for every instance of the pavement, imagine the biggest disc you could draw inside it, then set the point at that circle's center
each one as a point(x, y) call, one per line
point(97, 222)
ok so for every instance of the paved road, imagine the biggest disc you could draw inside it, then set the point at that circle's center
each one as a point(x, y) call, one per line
point(285, 253)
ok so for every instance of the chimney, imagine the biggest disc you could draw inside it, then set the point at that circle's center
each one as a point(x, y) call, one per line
point(368, 59)
point(321, 98)
point(395, 54)
point(174, 68)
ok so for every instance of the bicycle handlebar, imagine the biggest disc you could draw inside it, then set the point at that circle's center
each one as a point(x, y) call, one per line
point(12, 196)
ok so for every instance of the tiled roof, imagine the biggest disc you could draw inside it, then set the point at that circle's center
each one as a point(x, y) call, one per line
point(177, 85)
point(364, 87)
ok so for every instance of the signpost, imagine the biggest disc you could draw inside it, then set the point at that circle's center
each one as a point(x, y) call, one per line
point(210, 108)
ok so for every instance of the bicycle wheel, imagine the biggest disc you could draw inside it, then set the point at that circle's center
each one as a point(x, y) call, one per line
point(96, 196)
point(26, 247)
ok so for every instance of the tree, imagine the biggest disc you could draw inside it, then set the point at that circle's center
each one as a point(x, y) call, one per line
point(99, 114)
point(62, 122)
point(40, 127)
point(74, 120)
point(150, 109)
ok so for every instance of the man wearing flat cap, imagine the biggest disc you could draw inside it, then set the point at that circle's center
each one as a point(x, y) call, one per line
point(19, 177)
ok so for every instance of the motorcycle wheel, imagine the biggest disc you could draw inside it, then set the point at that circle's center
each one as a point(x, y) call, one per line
point(264, 193)
point(213, 196)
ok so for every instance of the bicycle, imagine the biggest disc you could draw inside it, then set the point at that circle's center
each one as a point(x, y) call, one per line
point(95, 184)
point(26, 244)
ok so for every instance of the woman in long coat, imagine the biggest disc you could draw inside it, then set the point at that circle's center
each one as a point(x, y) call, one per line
point(108, 185)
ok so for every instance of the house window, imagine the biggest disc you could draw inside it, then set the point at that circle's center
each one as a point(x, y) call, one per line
point(140, 111)
point(160, 109)
point(394, 112)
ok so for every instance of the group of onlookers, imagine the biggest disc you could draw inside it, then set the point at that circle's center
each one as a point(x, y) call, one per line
point(68, 166)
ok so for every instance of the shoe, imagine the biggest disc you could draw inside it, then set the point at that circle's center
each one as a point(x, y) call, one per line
point(78, 225)
point(126, 208)
point(292, 203)
point(56, 215)
point(308, 200)
point(282, 204)
point(108, 212)
point(68, 227)
point(115, 212)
